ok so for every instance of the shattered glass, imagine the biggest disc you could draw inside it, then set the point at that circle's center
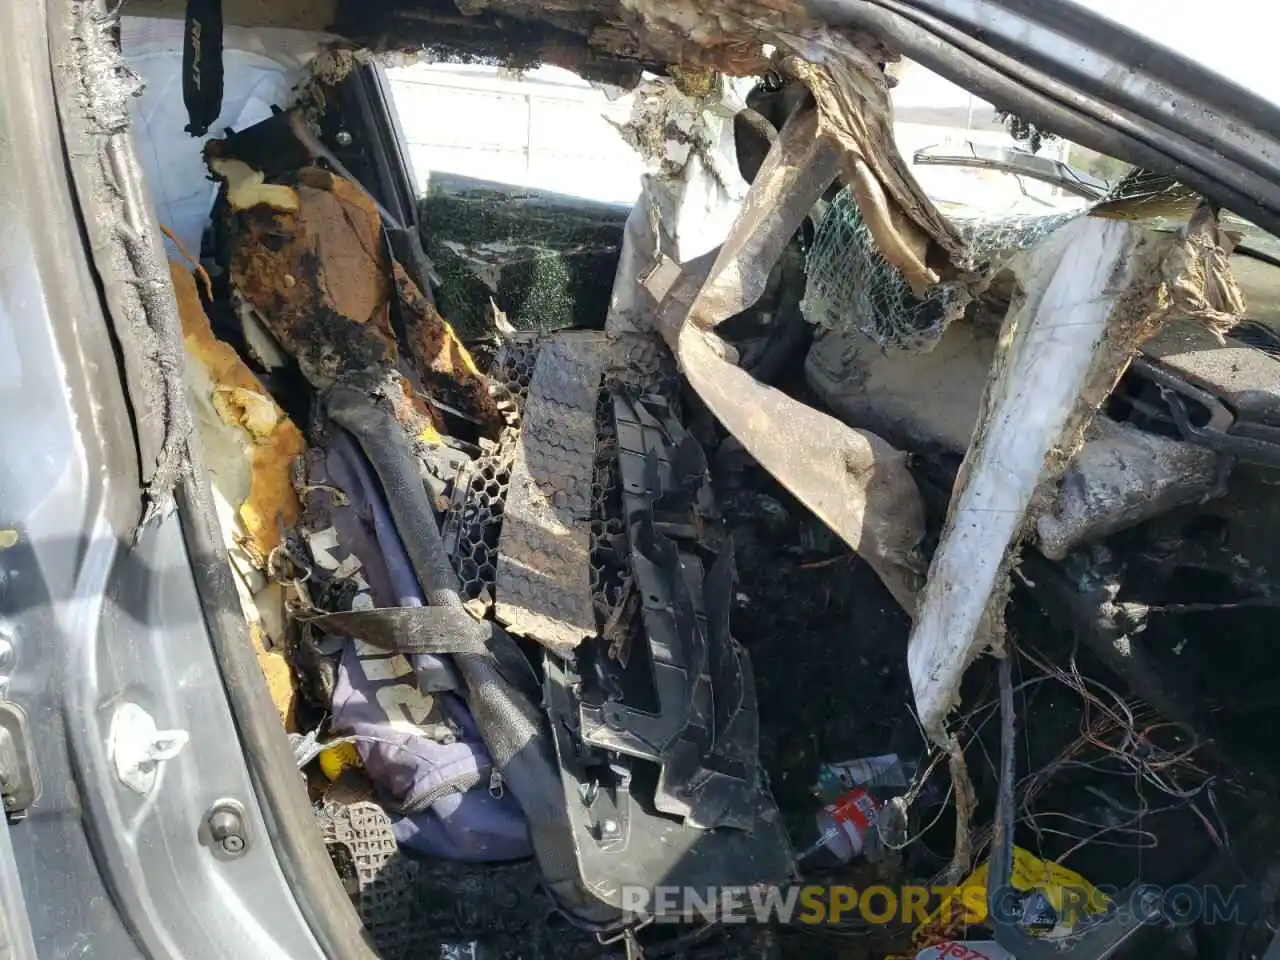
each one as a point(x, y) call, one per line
point(987, 238)
point(851, 285)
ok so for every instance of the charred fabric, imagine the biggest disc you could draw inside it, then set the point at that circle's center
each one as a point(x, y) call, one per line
point(844, 541)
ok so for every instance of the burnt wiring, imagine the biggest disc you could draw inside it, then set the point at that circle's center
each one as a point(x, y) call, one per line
point(1123, 741)
point(1137, 747)
point(1117, 737)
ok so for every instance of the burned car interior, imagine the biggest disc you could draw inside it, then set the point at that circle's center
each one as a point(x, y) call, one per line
point(785, 528)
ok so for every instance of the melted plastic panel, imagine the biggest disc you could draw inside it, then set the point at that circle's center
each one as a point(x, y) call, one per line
point(475, 554)
point(655, 718)
point(608, 534)
point(384, 881)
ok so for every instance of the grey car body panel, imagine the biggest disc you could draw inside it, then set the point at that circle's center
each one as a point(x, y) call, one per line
point(96, 618)
point(1096, 56)
point(16, 941)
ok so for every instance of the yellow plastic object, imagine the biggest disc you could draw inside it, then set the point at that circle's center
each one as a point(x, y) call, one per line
point(456, 346)
point(335, 759)
point(1066, 890)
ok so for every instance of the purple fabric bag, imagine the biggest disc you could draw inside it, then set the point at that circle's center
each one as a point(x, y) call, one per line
point(419, 743)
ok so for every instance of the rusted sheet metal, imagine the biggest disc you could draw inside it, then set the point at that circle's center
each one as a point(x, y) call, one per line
point(796, 171)
point(853, 480)
point(843, 70)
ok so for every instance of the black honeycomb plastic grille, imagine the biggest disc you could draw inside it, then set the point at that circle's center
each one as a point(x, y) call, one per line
point(608, 533)
point(474, 523)
point(476, 552)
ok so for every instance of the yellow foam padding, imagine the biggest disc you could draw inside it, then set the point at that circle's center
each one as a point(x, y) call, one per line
point(238, 397)
point(246, 187)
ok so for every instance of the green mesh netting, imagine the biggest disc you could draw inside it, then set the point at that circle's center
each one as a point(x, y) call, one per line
point(850, 286)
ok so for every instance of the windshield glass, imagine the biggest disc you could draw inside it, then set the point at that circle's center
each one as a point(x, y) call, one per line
point(993, 173)
point(974, 161)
